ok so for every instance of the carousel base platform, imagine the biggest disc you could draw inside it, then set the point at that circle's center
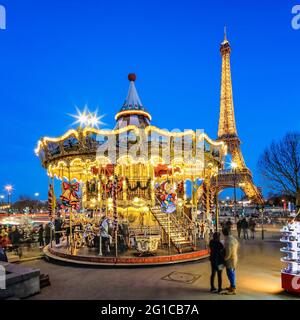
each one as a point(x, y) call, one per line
point(85, 258)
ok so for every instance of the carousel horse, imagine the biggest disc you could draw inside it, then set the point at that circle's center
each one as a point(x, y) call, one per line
point(89, 235)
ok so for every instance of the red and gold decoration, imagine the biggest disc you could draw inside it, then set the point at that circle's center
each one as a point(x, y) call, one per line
point(69, 197)
point(51, 200)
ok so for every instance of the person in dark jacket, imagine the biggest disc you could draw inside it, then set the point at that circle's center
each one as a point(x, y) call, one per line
point(41, 236)
point(15, 236)
point(48, 231)
point(3, 256)
point(239, 227)
point(217, 254)
point(245, 227)
point(58, 229)
point(252, 225)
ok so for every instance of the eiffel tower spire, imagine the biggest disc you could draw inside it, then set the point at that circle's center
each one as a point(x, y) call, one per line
point(227, 126)
point(225, 33)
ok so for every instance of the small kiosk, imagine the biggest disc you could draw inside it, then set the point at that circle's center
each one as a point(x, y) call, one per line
point(290, 276)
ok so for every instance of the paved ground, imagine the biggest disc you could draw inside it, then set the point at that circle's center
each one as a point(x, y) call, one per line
point(258, 277)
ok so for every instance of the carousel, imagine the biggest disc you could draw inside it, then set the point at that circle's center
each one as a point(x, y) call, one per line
point(136, 194)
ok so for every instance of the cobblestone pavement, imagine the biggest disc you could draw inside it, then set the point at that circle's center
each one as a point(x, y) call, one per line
point(258, 277)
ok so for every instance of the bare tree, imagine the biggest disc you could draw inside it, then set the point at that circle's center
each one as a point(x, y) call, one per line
point(280, 165)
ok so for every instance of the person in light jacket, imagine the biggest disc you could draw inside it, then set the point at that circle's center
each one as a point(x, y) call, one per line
point(231, 259)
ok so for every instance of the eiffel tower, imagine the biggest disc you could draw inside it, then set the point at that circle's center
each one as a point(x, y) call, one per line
point(239, 176)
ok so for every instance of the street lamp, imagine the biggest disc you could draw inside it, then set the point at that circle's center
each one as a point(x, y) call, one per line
point(36, 194)
point(8, 189)
point(233, 167)
point(283, 204)
point(2, 199)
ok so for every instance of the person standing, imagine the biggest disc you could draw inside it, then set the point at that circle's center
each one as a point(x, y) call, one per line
point(58, 229)
point(48, 231)
point(217, 254)
point(245, 226)
point(231, 259)
point(228, 224)
point(5, 240)
point(3, 256)
point(252, 225)
point(15, 238)
point(239, 228)
point(41, 236)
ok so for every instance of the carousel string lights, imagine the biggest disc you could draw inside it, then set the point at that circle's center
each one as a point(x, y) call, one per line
point(124, 185)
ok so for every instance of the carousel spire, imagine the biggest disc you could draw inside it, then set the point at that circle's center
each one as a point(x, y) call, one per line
point(132, 111)
point(133, 100)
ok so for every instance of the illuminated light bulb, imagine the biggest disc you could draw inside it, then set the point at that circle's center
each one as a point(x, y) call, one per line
point(233, 165)
point(8, 188)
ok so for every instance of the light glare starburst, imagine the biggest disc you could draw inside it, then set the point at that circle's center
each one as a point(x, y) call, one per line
point(95, 120)
point(87, 118)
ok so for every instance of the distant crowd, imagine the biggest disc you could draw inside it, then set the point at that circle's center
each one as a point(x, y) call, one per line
point(243, 226)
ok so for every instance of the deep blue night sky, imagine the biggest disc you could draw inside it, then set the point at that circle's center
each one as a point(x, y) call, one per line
point(61, 53)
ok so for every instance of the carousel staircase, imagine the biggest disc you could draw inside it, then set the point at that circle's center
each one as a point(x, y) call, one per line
point(178, 232)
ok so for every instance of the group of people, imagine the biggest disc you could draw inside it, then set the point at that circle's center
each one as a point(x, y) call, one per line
point(9, 239)
point(44, 234)
point(243, 225)
point(12, 237)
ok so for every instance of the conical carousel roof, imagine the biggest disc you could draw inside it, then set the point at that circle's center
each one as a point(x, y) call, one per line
point(132, 111)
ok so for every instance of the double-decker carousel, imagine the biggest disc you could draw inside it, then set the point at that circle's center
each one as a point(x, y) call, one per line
point(134, 195)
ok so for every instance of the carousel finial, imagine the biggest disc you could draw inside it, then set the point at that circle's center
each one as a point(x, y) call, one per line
point(132, 77)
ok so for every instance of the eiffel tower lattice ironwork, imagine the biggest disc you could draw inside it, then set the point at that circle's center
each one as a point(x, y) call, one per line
point(240, 176)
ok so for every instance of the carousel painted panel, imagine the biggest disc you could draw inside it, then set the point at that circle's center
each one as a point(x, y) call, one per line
point(147, 244)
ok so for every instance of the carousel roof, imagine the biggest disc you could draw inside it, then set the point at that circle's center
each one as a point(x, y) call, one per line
point(78, 149)
point(132, 111)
